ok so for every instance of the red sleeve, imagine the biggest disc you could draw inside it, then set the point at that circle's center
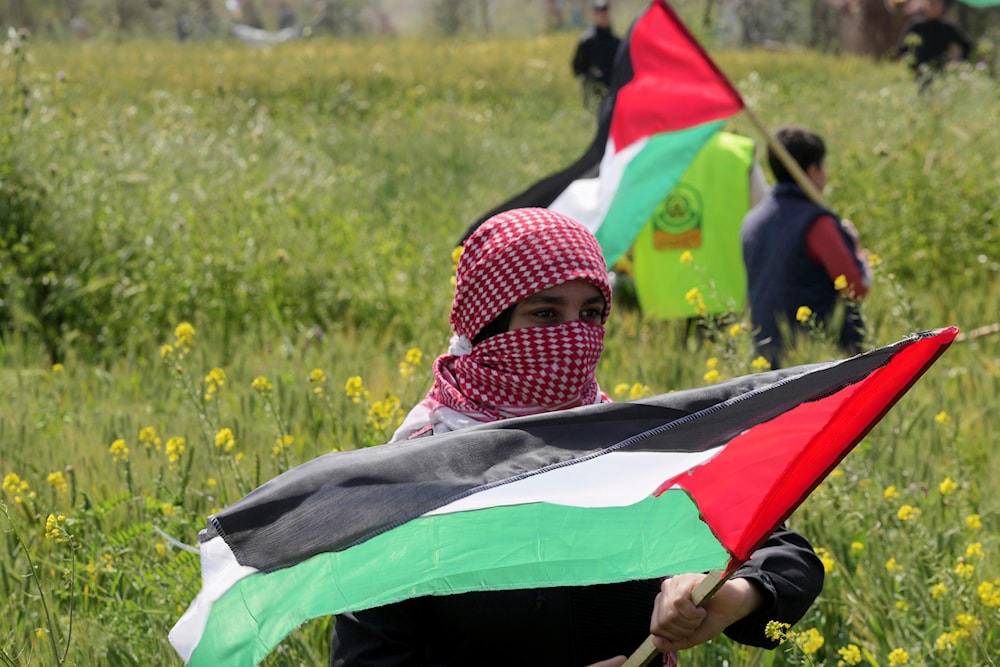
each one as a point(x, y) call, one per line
point(825, 245)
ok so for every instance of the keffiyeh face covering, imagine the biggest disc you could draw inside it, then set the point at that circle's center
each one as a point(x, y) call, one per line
point(527, 371)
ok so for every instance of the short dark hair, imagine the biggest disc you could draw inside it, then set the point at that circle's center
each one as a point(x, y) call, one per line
point(807, 148)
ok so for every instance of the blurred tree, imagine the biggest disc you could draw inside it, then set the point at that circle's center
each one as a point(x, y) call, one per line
point(452, 16)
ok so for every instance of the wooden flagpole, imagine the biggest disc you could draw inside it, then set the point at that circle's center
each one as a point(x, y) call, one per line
point(702, 592)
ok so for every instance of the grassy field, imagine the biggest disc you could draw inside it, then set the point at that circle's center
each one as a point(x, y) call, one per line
point(283, 220)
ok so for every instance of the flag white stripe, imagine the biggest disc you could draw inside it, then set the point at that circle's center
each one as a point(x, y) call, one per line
point(587, 200)
point(219, 572)
point(617, 479)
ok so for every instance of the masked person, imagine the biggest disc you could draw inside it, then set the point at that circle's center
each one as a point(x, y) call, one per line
point(532, 297)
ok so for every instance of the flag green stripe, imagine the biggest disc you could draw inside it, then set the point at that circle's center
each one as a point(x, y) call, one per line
point(521, 546)
point(982, 3)
point(647, 179)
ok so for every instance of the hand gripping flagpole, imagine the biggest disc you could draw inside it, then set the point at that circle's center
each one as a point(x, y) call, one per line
point(702, 592)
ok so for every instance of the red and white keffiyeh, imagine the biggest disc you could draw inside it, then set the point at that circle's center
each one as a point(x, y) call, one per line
point(532, 370)
point(517, 253)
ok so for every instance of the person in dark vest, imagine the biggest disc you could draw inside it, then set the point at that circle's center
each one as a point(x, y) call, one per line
point(594, 58)
point(801, 259)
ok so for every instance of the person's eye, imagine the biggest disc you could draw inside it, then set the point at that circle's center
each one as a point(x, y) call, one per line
point(594, 314)
point(543, 314)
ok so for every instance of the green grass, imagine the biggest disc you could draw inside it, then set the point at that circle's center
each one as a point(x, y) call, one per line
point(299, 207)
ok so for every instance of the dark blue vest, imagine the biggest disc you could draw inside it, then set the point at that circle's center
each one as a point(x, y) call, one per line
point(780, 275)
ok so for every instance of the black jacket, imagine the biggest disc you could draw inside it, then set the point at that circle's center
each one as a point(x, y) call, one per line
point(933, 39)
point(595, 54)
point(560, 627)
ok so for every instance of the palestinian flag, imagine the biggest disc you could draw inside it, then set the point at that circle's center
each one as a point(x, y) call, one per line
point(598, 494)
point(667, 98)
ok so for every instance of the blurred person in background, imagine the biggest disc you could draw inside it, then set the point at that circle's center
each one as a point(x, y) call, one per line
point(594, 58)
point(930, 41)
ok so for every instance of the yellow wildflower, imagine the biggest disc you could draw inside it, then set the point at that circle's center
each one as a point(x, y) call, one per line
point(216, 376)
point(166, 351)
point(964, 569)
point(693, 296)
point(456, 255)
point(840, 282)
point(148, 437)
point(161, 549)
point(281, 444)
point(225, 440)
point(874, 260)
point(826, 558)
point(40, 632)
point(318, 378)
point(262, 385)
point(711, 363)
point(989, 593)
point(212, 482)
point(735, 330)
point(58, 482)
point(761, 364)
point(938, 590)
point(803, 314)
point(810, 641)
point(890, 492)
point(712, 376)
point(974, 550)
point(214, 380)
point(942, 417)
point(58, 368)
point(621, 389)
point(414, 356)
point(405, 370)
point(946, 641)
point(974, 522)
point(14, 485)
point(967, 621)
point(355, 389)
point(382, 413)
point(175, 449)
point(857, 547)
point(908, 512)
point(637, 391)
point(898, 657)
point(687, 258)
point(119, 451)
point(108, 563)
point(892, 566)
point(902, 605)
point(850, 654)
point(947, 487)
point(54, 527)
point(776, 631)
point(184, 333)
